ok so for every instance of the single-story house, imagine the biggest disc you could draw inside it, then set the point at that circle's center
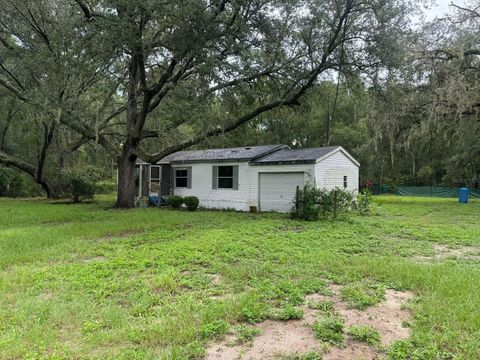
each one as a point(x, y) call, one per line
point(265, 177)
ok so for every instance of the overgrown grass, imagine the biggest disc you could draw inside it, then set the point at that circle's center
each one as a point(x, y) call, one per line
point(87, 281)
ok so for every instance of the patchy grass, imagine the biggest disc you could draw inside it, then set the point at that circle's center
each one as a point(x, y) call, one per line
point(245, 334)
point(330, 330)
point(87, 281)
point(361, 294)
point(288, 312)
point(364, 333)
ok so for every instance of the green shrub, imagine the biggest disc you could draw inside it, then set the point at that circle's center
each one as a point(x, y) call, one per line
point(175, 201)
point(364, 333)
point(191, 202)
point(79, 187)
point(215, 329)
point(306, 204)
point(330, 330)
point(364, 200)
point(311, 201)
point(6, 175)
point(17, 186)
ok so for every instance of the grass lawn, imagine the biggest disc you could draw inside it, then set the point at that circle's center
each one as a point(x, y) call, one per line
point(87, 281)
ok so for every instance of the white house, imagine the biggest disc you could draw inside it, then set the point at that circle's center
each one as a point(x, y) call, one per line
point(264, 177)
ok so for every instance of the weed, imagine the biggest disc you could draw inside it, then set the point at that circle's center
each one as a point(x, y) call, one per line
point(324, 305)
point(330, 330)
point(215, 329)
point(360, 295)
point(288, 312)
point(245, 334)
point(365, 333)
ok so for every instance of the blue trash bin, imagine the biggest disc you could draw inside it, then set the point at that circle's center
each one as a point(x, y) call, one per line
point(463, 195)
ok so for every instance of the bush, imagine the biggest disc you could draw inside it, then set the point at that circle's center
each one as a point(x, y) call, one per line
point(191, 202)
point(330, 330)
point(79, 188)
point(306, 204)
point(364, 200)
point(174, 201)
point(17, 186)
point(311, 201)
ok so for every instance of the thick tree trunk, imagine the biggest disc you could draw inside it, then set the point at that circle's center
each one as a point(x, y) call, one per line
point(126, 180)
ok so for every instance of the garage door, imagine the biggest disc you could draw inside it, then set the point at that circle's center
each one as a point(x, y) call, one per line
point(277, 190)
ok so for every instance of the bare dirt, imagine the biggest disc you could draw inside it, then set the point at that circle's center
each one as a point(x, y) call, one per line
point(294, 337)
point(443, 252)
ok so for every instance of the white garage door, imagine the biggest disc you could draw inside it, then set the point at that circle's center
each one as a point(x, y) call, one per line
point(277, 190)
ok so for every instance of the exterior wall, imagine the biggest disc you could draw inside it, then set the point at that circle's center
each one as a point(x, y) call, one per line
point(330, 171)
point(216, 198)
point(247, 193)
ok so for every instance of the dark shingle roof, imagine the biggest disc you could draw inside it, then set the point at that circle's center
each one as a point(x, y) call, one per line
point(294, 156)
point(246, 153)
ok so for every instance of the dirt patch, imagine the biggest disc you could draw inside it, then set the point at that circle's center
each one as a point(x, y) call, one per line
point(444, 252)
point(279, 338)
point(276, 338)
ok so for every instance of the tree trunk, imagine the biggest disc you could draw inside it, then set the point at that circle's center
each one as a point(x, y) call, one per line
point(47, 185)
point(126, 180)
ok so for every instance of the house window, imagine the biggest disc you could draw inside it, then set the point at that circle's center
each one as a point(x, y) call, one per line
point(225, 177)
point(181, 178)
point(345, 182)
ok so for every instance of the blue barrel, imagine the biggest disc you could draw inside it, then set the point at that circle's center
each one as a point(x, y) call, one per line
point(463, 195)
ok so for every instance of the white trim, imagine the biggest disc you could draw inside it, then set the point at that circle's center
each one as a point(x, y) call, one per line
point(334, 151)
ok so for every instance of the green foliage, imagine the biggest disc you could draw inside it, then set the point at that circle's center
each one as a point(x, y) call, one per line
point(17, 185)
point(307, 356)
point(364, 200)
point(105, 186)
point(79, 187)
point(406, 350)
point(215, 329)
point(325, 305)
point(310, 202)
point(191, 202)
point(245, 334)
point(175, 201)
point(329, 330)
point(362, 294)
point(364, 333)
point(287, 312)
point(306, 204)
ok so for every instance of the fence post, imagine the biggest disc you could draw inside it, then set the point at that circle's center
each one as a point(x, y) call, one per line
point(335, 203)
point(296, 198)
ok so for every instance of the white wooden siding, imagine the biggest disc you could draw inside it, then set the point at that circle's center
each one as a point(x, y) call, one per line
point(247, 193)
point(217, 198)
point(329, 172)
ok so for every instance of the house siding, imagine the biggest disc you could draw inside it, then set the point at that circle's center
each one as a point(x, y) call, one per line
point(217, 198)
point(247, 193)
point(329, 172)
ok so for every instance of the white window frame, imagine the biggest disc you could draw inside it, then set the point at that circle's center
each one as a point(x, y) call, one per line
point(180, 177)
